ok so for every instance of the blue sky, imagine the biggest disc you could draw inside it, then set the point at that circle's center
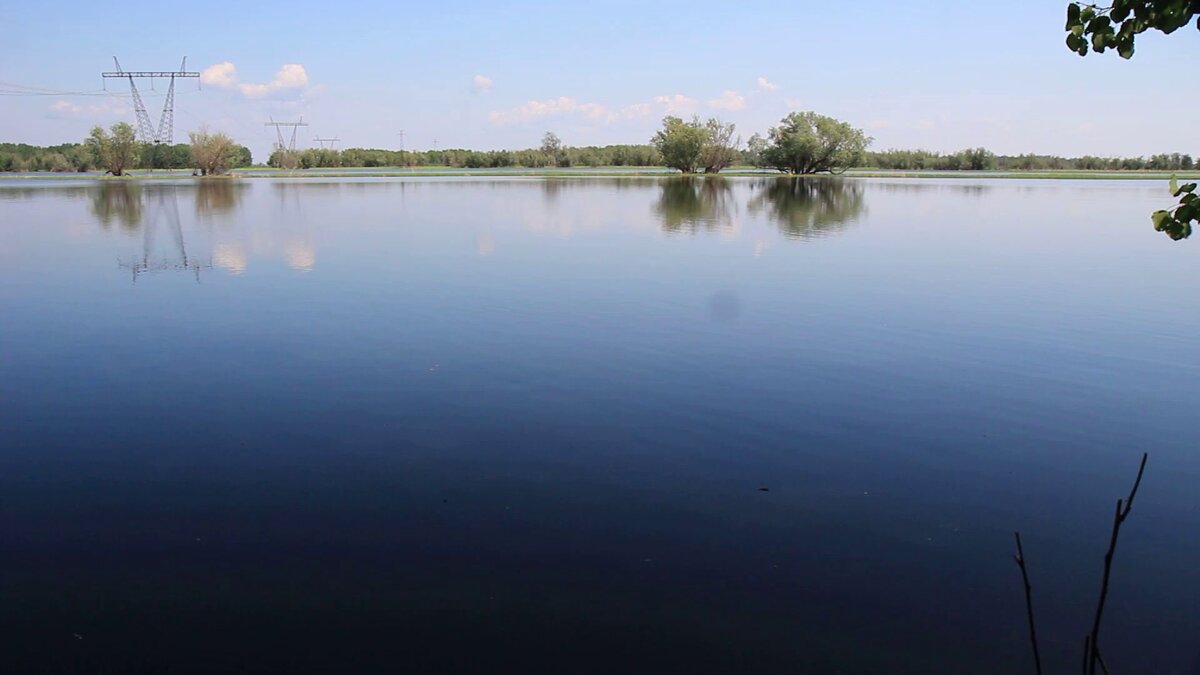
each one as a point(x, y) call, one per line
point(941, 75)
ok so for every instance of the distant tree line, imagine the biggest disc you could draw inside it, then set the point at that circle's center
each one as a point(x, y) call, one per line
point(75, 157)
point(709, 154)
point(461, 158)
point(981, 159)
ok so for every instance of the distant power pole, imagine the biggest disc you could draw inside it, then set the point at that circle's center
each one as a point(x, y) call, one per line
point(323, 141)
point(291, 145)
point(147, 132)
point(401, 140)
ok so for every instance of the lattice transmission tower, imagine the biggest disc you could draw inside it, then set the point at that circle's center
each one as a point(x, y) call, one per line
point(323, 141)
point(290, 146)
point(147, 132)
point(286, 150)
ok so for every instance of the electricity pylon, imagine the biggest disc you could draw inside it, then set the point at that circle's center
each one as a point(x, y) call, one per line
point(147, 132)
point(291, 145)
point(323, 141)
point(286, 150)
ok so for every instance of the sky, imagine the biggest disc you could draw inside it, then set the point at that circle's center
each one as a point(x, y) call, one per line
point(939, 75)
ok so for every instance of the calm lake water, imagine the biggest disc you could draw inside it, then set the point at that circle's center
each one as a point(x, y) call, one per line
point(592, 425)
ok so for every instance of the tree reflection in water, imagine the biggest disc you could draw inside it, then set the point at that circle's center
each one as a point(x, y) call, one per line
point(120, 202)
point(218, 196)
point(809, 207)
point(692, 203)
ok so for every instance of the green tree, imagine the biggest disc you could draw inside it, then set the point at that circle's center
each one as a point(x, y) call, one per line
point(680, 143)
point(756, 150)
point(242, 157)
point(213, 153)
point(720, 147)
point(1116, 27)
point(552, 149)
point(116, 152)
point(57, 162)
point(283, 158)
point(806, 143)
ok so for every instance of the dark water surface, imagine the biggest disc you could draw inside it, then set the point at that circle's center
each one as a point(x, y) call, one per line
point(594, 425)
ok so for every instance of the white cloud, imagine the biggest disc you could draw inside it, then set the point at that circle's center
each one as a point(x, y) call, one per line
point(222, 74)
point(676, 103)
point(481, 84)
point(636, 110)
point(766, 85)
point(290, 77)
point(729, 100)
point(595, 112)
point(550, 107)
point(107, 108)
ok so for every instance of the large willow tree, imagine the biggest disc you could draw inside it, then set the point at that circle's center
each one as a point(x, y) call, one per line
point(115, 152)
point(806, 143)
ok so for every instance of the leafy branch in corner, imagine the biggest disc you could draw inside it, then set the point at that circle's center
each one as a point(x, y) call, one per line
point(1178, 223)
point(1092, 658)
point(1095, 28)
point(1115, 27)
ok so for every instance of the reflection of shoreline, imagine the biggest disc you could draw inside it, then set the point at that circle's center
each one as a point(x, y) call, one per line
point(149, 208)
point(794, 207)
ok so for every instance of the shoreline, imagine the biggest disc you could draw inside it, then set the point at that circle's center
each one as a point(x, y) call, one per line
point(647, 172)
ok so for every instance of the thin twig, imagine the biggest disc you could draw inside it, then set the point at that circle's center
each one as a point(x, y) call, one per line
point(1123, 507)
point(1020, 558)
point(1087, 653)
point(1100, 660)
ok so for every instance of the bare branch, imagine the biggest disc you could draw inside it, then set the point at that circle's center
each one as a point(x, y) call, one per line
point(1123, 507)
point(1020, 558)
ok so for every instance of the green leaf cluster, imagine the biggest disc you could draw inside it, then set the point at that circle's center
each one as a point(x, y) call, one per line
point(1093, 28)
point(1177, 223)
